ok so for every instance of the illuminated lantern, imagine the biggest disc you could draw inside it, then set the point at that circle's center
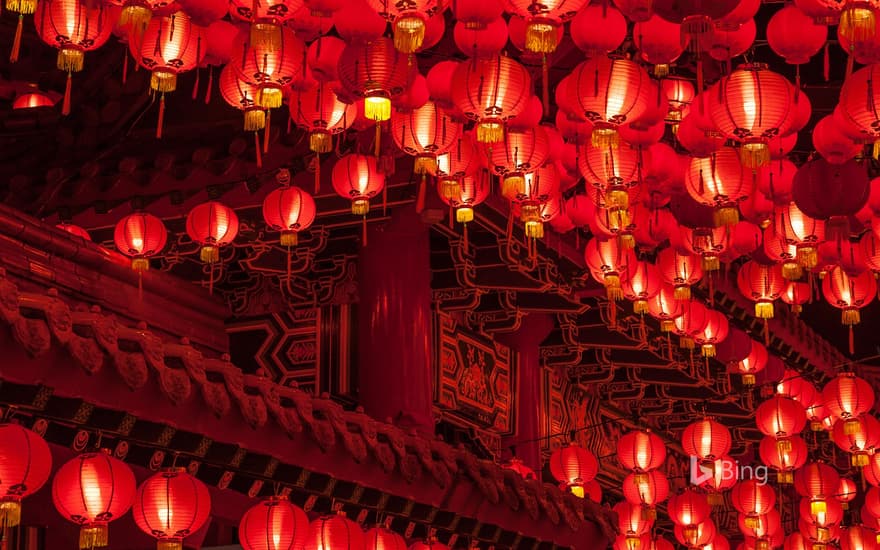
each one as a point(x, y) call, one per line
point(597, 30)
point(170, 506)
point(819, 537)
point(859, 438)
point(796, 228)
point(720, 181)
point(92, 490)
point(632, 523)
point(289, 210)
point(659, 43)
point(609, 262)
point(320, 112)
point(816, 413)
point(357, 178)
point(707, 243)
point(706, 439)
point(613, 169)
point(823, 12)
point(859, 102)
point(428, 544)
point(266, 18)
point(724, 45)
point(408, 20)
point(665, 307)
point(472, 190)
point(73, 230)
point(241, 95)
point(832, 144)
point(648, 489)
point(140, 236)
point(336, 531)
point(544, 21)
point(518, 154)
point(381, 538)
point(641, 283)
point(847, 396)
point(696, 536)
point(818, 482)
point(358, 23)
point(796, 294)
point(324, 8)
point(718, 480)
point(752, 105)
point(679, 270)
point(697, 141)
point(797, 387)
point(785, 459)
point(33, 100)
point(73, 28)
point(609, 92)
point(170, 45)
point(274, 524)
point(778, 249)
point(485, 42)
point(375, 71)
point(574, 466)
point(641, 451)
point(25, 464)
point(516, 465)
point(477, 15)
point(762, 284)
point(461, 160)
point(490, 91)
point(680, 93)
point(713, 333)
point(756, 525)
point(424, 133)
point(753, 363)
point(857, 537)
point(780, 417)
point(688, 510)
point(270, 69)
point(212, 225)
point(849, 294)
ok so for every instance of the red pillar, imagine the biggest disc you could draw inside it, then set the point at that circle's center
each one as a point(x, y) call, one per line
point(526, 342)
point(394, 323)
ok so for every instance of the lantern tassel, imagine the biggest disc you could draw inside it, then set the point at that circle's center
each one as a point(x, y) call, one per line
point(465, 234)
point(257, 150)
point(420, 201)
point(267, 131)
point(545, 86)
point(65, 106)
point(161, 116)
point(826, 64)
point(317, 173)
point(210, 84)
point(195, 93)
point(125, 66)
point(16, 43)
point(211, 280)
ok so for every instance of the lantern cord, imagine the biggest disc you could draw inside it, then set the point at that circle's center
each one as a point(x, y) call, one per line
point(161, 116)
point(545, 85)
point(16, 43)
point(65, 107)
point(766, 332)
point(378, 143)
point(257, 150)
point(267, 130)
point(451, 227)
point(195, 93)
point(465, 235)
point(849, 67)
point(364, 230)
point(317, 173)
point(210, 84)
point(420, 199)
point(125, 66)
point(288, 265)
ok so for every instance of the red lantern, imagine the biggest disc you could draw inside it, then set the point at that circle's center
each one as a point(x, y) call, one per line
point(665, 307)
point(324, 8)
point(319, 111)
point(713, 333)
point(762, 284)
point(752, 498)
point(776, 181)
point(659, 43)
point(680, 93)
point(849, 294)
point(212, 225)
point(609, 262)
point(358, 23)
point(833, 145)
point(612, 169)
point(335, 532)
point(720, 180)
point(641, 451)
point(266, 18)
point(706, 242)
point(785, 459)
point(641, 283)
point(375, 71)
point(724, 45)
point(269, 68)
point(490, 91)
point(857, 537)
point(632, 522)
point(357, 178)
point(574, 466)
point(289, 210)
point(140, 236)
point(25, 464)
point(241, 95)
point(74, 28)
point(428, 544)
point(859, 102)
point(424, 133)
point(706, 439)
point(472, 190)
point(381, 538)
point(817, 482)
point(753, 363)
point(847, 397)
point(408, 20)
point(476, 15)
point(92, 490)
point(859, 437)
point(796, 228)
point(679, 270)
point(816, 413)
point(780, 417)
point(32, 100)
point(609, 92)
point(698, 141)
point(797, 387)
point(688, 510)
point(170, 506)
point(484, 42)
point(719, 479)
point(696, 536)
point(519, 154)
point(544, 21)
point(516, 465)
point(597, 30)
point(648, 489)
point(823, 12)
point(274, 524)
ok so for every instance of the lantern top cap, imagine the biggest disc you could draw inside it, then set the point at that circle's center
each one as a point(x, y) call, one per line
point(754, 66)
point(173, 471)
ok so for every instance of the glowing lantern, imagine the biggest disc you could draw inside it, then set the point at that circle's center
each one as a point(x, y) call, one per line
point(381, 538)
point(707, 243)
point(212, 225)
point(375, 71)
point(32, 100)
point(794, 36)
point(696, 536)
point(679, 270)
point(74, 28)
point(752, 498)
point(796, 294)
point(544, 21)
point(665, 307)
point(849, 294)
point(706, 439)
point(817, 482)
point(424, 133)
point(720, 180)
point(518, 154)
point(857, 537)
point(428, 544)
point(847, 396)
point(641, 283)
point(859, 102)
point(140, 236)
point(574, 466)
point(271, 69)
point(92, 490)
point(289, 210)
point(25, 464)
point(408, 20)
point(753, 363)
point(597, 30)
point(518, 466)
point(320, 112)
point(713, 333)
point(718, 480)
point(477, 15)
point(335, 532)
point(796, 228)
point(859, 437)
point(472, 190)
point(358, 23)
point(274, 524)
point(688, 510)
point(613, 169)
point(641, 451)
point(632, 523)
point(357, 178)
point(780, 417)
point(242, 95)
point(74, 230)
point(659, 43)
point(609, 92)
point(648, 489)
point(170, 506)
point(490, 91)
point(609, 262)
point(266, 18)
point(785, 459)
point(762, 284)
point(797, 387)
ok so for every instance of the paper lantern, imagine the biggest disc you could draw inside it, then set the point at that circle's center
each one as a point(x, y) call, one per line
point(665, 307)
point(274, 524)
point(92, 490)
point(706, 439)
point(858, 437)
point(424, 133)
point(780, 417)
point(785, 459)
point(641, 451)
point(574, 466)
point(170, 506)
point(679, 270)
point(477, 15)
point(381, 538)
point(608, 262)
point(212, 225)
point(518, 154)
point(632, 522)
point(724, 45)
point(849, 294)
point(857, 537)
point(706, 242)
point(612, 169)
point(688, 509)
point(289, 210)
point(266, 19)
point(490, 91)
point(659, 43)
point(335, 532)
point(847, 397)
point(140, 236)
point(753, 363)
point(597, 30)
point(32, 100)
point(795, 36)
point(25, 465)
point(720, 180)
point(74, 230)
point(319, 111)
point(713, 333)
point(762, 284)
point(648, 489)
point(408, 20)
point(643, 282)
point(794, 385)
point(270, 68)
point(357, 22)
point(752, 499)
point(472, 190)
point(544, 21)
point(242, 95)
point(375, 71)
point(818, 482)
point(794, 227)
point(357, 178)
point(860, 101)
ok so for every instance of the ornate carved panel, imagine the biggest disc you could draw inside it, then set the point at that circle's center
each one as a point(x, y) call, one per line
point(567, 407)
point(474, 379)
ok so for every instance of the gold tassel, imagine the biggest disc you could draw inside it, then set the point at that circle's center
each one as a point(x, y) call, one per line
point(161, 116)
point(65, 106)
point(16, 43)
point(267, 131)
point(257, 150)
point(826, 63)
point(125, 66)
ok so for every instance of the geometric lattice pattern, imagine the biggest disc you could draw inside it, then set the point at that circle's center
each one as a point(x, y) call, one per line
point(565, 408)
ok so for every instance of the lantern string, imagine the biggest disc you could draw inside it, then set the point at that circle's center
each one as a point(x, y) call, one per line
point(65, 107)
point(125, 66)
point(267, 131)
point(16, 43)
point(195, 93)
point(210, 84)
point(161, 116)
point(257, 149)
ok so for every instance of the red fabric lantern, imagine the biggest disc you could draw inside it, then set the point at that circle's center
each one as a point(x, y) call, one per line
point(375, 71)
point(818, 482)
point(270, 68)
point(665, 307)
point(381, 538)
point(485, 42)
point(858, 537)
point(33, 100)
point(25, 465)
point(635, 10)
point(724, 45)
point(797, 387)
point(266, 19)
point(713, 333)
point(612, 169)
point(659, 43)
point(794, 36)
point(170, 506)
point(697, 141)
point(847, 397)
point(476, 15)
point(753, 499)
point(609, 92)
point(719, 481)
point(762, 284)
point(707, 243)
point(574, 466)
point(74, 28)
point(648, 489)
point(696, 536)
point(872, 470)
point(408, 20)
point(490, 91)
point(424, 133)
point(322, 58)
point(858, 436)
point(823, 190)
point(679, 270)
point(242, 95)
point(289, 210)
point(641, 451)
point(706, 439)
point(597, 30)
point(794, 227)
point(140, 236)
point(461, 160)
point(357, 178)
point(780, 417)
point(688, 509)
point(274, 524)
point(642, 282)
point(212, 225)
point(520, 153)
point(832, 144)
point(336, 532)
point(785, 459)
point(849, 294)
point(823, 12)
point(472, 190)
point(776, 181)
point(632, 522)
point(324, 8)
point(720, 180)
point(609, 261)
point(753, 363)
point(92, 490)
point(358, 23)
point(319, 111)
point(544, 21)
point(860, 102)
